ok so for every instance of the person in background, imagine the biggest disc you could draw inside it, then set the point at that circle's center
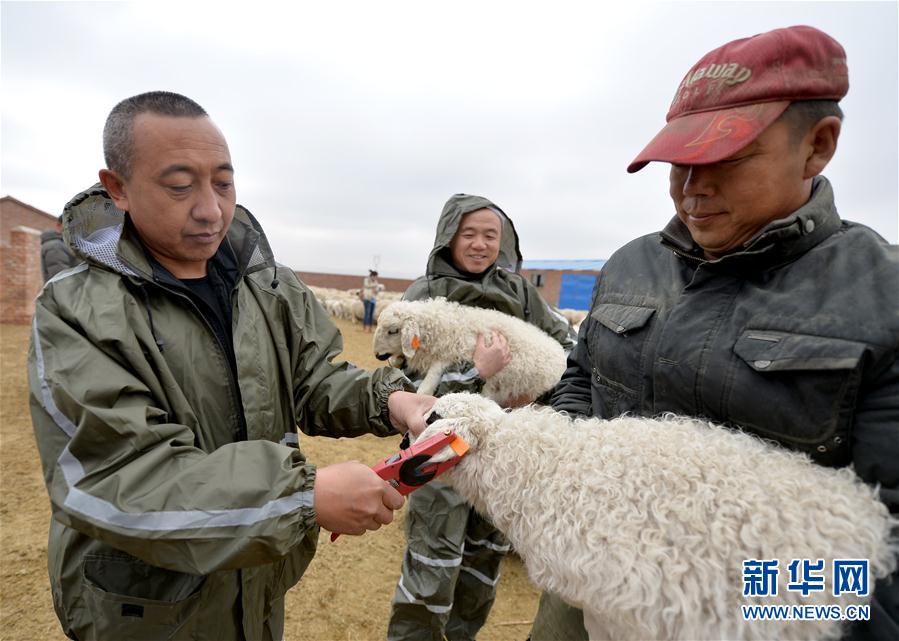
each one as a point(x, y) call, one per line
point(756, 306)
point(55, 254)
point(453, 555)
point(369, 295)
point(169, 374)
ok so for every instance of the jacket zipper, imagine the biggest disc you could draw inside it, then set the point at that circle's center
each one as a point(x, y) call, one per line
point(232, 382)
point(695, 259)
point(242, 434)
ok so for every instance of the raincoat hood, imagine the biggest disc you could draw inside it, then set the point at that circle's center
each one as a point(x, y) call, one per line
point(500, 286)
point(50, 235)
point(439, 261)
point(99, 233)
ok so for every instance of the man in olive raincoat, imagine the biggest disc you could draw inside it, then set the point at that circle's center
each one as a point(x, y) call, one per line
point(168, 374)
point(451, 566)
point(55, 254)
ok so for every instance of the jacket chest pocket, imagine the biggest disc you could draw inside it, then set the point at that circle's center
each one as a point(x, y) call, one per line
point(798, 389)
point(617, 350)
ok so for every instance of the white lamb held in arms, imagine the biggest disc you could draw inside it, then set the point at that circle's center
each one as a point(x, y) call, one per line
point(645, 524)
point(429, 335)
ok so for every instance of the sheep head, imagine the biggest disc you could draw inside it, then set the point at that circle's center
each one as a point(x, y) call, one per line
point(397, 337)
point(468, 415)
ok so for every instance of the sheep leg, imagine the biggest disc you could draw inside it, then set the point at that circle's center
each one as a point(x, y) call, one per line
point(431, 379)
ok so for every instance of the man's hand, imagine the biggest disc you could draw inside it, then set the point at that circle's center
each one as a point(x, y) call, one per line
point(490, 359)
point(350, 498)
point(408, 411)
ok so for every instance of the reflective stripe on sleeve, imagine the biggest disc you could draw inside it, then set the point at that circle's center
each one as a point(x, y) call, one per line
point(453, 377)
point(169, 520)
point(102, 511)
point(47, 401)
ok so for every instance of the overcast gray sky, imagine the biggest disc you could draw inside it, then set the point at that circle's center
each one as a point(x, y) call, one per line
point(350, 124)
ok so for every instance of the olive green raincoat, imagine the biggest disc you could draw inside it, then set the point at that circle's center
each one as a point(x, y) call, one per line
point(182, 505)
point(452, 560)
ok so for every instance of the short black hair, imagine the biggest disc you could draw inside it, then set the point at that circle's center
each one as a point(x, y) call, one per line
point(802, 115)
point(118, 141)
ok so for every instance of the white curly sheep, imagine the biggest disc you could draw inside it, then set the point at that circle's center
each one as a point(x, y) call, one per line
point(645, 524)
point(574, 317)
point(429, 335)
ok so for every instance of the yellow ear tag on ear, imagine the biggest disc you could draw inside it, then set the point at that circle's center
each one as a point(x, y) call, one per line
point(415, 342)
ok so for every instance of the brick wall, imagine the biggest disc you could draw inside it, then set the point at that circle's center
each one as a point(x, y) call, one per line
point(14, 213)
point(20, 258)
point(20, 275)
point(552, 284)
point(549, 291)
point(342, 281)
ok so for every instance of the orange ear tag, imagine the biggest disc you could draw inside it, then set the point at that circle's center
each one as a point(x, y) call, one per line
point(415, 342)
point(460, 446)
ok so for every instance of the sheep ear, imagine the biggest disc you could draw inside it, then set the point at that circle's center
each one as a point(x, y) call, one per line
point(410, 339)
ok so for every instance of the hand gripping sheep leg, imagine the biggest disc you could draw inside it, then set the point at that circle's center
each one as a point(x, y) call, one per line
point(410, 468)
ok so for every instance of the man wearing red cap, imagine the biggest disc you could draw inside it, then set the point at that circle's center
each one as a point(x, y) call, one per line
point(756, 306)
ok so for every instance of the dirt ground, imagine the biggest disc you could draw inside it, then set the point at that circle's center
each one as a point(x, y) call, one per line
point(344, 595)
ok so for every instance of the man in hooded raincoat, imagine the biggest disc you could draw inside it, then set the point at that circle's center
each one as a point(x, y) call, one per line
point(168, 373)
point(451, 566)
point(55, 254)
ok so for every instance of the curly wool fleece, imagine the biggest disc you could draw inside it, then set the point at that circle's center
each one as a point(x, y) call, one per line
point(645, 523)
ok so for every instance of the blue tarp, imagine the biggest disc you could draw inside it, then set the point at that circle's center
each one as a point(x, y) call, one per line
point(576, 291)
point(565, 265)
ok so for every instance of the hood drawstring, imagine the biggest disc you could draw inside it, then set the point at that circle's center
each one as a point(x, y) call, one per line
point(275, 281)
point(527, 305)
point(159, 343)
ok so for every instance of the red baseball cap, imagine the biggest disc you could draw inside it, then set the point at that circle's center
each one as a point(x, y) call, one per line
point(733, 93)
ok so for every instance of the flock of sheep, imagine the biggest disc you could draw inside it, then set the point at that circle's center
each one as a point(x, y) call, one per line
point(346, 304)
point(643, 523)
